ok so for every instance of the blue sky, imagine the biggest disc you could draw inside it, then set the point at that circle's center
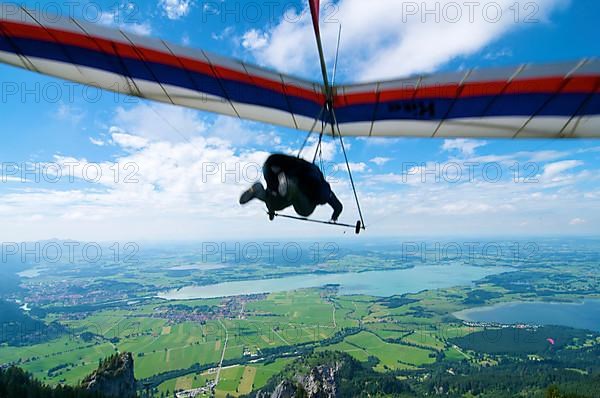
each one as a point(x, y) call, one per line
point(181, 171)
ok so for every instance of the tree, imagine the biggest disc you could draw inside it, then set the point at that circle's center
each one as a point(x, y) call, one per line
point(553, 392)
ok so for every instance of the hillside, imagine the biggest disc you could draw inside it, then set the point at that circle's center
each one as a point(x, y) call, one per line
point(331, 374)
point(16, 383)
point(113, 378)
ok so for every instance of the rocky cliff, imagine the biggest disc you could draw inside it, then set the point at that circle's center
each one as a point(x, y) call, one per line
point(113, 378)
point(331, 375)
point(320, 382)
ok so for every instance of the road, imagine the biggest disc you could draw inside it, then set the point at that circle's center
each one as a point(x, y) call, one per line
point(222, 354)
point(281, 337)
point(334, 323)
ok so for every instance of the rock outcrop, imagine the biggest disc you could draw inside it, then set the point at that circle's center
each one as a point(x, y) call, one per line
point(320, 382)
point(331, 374)
point(113, 378)
point(285, 389)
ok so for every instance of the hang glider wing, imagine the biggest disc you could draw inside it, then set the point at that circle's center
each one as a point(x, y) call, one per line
point(548, 101)
point(531, 101)
point(150, 68)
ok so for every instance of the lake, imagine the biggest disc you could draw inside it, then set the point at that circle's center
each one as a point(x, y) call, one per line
point(31, 273)
point(196, 267)
point(373, 283)
point(582, 315)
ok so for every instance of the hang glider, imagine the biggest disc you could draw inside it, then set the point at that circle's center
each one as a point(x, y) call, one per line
point(545, 101)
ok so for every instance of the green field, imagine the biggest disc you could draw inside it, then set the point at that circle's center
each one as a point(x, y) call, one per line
point(398, 334)
point(280, 320)
point(390, 356)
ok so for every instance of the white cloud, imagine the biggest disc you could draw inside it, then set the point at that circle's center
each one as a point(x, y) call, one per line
point(590, 149)
point(554, 170)
point(379, 160)
point(494, 55)
point(175, 9)
point(467, 207)
point(127, 141)
point(160, 122)
point(211, 8)
point(242, 132)
point(142, 29)
point(522, 158)
point(96, 141)
point(505, 207)
point(185, 40)
point(465, 146)
point(183, 188)
point(5, 178)
point(354, 167)
point(188, 189)
point(254, 40)
point(389, 178)
point(178, 197)
point(224, 33)
point(387, 39)
point(418, 175)
point(538, 207)
point(114, 19)
point(327, 151)
point(69, 113)
point(543, 156)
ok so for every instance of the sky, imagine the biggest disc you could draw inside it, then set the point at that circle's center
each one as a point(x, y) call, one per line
point(79, 163)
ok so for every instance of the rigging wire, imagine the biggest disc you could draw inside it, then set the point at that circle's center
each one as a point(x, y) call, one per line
point(310, 131)
point(328, 106)
point(318, 148)
point(334, 122)
point(337, 53)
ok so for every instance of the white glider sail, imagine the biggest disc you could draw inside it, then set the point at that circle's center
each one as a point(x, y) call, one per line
point(145, 67)
point(529, 101)
point(545, 101)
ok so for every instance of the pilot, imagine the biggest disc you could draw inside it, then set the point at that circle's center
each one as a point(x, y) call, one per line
point(292, 181)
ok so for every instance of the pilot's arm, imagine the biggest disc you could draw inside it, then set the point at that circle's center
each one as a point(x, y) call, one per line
point(336, 205)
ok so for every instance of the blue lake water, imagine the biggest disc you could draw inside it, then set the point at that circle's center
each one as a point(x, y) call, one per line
point(374, 283)
point(582, 315)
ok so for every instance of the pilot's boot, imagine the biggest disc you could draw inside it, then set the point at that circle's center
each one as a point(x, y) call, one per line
point(255, 191)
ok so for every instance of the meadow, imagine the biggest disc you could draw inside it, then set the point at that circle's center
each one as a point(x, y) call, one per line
point(260, 335)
